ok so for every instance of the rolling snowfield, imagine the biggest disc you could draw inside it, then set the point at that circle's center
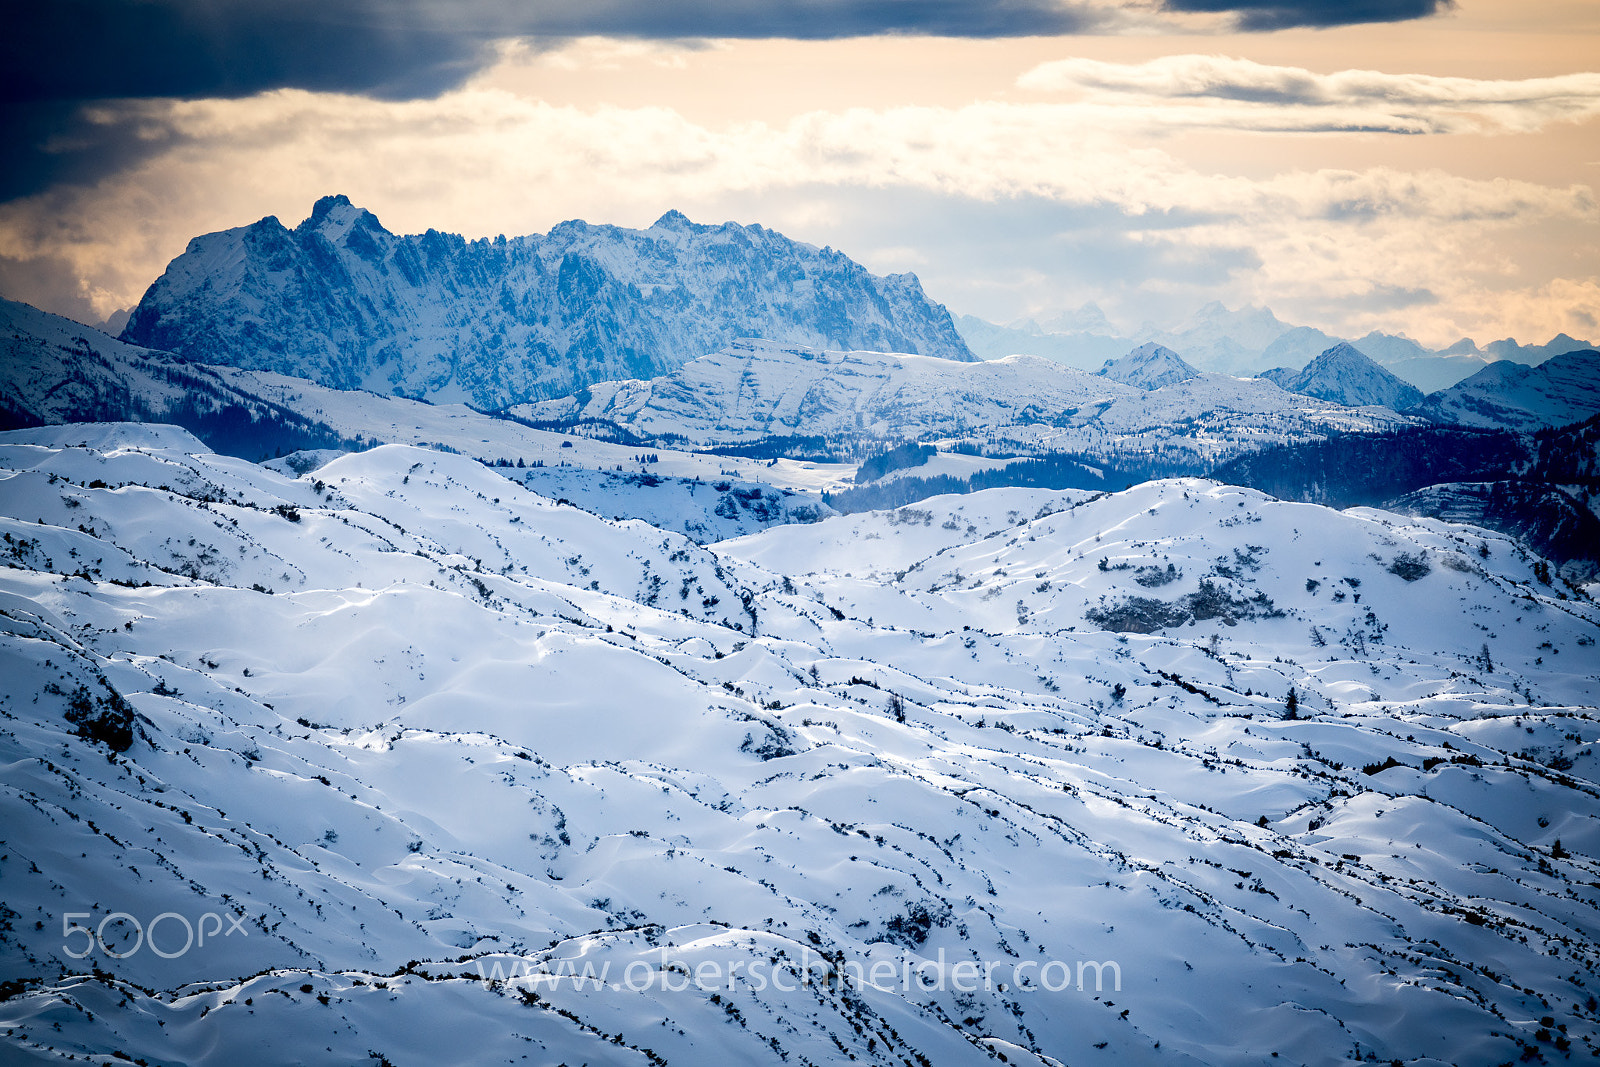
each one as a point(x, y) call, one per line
point(399, 761)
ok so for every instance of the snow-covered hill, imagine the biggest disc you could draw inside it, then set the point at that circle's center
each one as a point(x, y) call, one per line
point(344, 302)
point(700, 509)
point(58, 370)
point(401, 726)
point(1344, 375)
point(55, 370)
point(1562, 390)
point(1150, 366)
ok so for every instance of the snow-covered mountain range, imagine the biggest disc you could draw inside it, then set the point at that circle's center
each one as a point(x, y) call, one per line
point(1176, 775)
point(342, 301)
point(789, 423)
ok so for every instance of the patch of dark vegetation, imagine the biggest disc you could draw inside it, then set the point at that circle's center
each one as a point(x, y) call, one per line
point(1189, 687)
point(13, 987)
point(104, 719)
point(801, 448)
point(902, 457)
point(1410, 566)
point(911, 929)
point(773, 744)
point(593, 429)
point(1144, 615)
point(1154, 577)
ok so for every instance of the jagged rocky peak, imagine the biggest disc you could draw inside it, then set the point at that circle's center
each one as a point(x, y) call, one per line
point(1150, 366)
point(335, 217)
point(336, 207)
point(342, 301)
point(1344, 375)
point(673, 220)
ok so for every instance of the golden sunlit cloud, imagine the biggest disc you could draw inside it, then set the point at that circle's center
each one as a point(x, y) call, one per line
point(1224, 92)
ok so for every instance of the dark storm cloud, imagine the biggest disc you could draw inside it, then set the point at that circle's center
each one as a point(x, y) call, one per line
point(54, 142)
point(46, 282)
point(1266, 15)
point(823, 19)
point(95, 49)
point(55, 54)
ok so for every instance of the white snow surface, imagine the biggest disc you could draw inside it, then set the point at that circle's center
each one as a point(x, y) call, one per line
point(409, 722)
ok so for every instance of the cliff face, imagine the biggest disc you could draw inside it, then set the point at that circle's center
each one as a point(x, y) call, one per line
point(344, 302)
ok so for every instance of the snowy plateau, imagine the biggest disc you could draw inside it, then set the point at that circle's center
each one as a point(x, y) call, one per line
point(511, 652)
point(435, 769)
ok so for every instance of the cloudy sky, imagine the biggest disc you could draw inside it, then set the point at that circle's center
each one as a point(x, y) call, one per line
point(1416, 166)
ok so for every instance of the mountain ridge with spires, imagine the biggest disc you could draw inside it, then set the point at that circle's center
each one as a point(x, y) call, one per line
point(343, 302)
